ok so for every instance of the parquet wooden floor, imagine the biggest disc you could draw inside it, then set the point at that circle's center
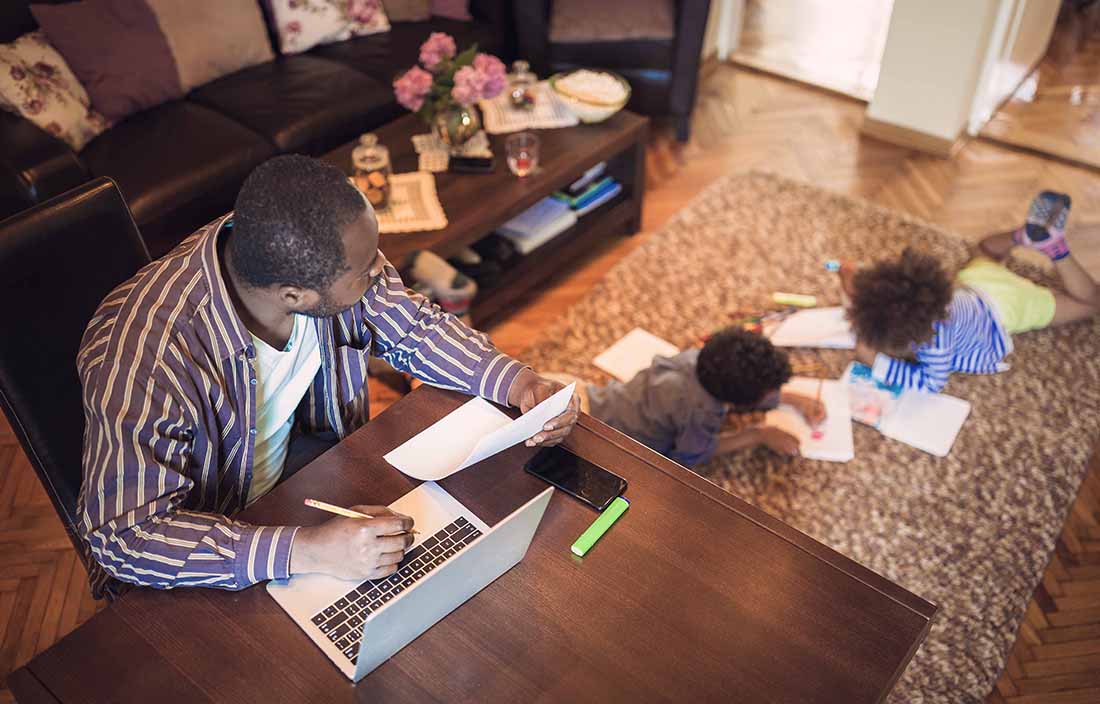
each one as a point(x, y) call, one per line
point(1056, 110)
point(1057, 653)
point(744, 120)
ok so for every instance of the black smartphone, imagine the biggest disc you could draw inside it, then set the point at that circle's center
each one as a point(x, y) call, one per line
point(577, 477)
point(470, 164)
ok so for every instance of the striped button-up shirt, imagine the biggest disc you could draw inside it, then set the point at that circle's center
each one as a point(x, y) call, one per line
point(170, 410)
point(970, 340)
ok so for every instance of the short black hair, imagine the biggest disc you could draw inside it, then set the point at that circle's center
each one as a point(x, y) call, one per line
point(741, 367)
point(288, 223)
point(895, 303)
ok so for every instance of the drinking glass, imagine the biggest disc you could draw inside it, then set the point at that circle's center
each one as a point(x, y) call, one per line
point(523, 153)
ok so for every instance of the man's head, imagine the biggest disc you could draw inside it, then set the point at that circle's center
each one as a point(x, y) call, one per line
point(742, 368)
point(303, 235)
point(895, 303)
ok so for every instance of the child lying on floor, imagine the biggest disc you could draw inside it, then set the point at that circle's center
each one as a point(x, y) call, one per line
point(679, 406)
point(914, 327)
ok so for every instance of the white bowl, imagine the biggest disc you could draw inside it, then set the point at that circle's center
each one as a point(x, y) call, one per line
point(590, 110)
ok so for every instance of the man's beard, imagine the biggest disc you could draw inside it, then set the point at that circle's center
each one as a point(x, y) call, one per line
point(325, 308)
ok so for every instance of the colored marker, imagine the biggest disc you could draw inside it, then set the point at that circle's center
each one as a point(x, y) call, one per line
point(832, 265)
point(595, 531)
point(794, 299)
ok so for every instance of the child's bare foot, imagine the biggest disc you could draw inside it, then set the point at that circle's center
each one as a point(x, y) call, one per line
point(997, 247)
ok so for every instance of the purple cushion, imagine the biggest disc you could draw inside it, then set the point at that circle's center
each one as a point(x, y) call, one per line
point(452, 9)
point(116, 49)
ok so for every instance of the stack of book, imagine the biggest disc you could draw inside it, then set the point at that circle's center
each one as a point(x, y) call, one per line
point(590, 191)
point(537, 225)
point(551, 216)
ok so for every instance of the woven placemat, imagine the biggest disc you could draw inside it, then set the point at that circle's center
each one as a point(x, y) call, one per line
point(549, 112)
point(414, 205)
point(435, 156)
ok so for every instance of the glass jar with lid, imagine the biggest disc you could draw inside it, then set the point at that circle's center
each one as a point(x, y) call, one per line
point(371, 163)
point(521, 85)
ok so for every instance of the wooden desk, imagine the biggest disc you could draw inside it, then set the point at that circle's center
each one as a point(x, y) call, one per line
point(692, 596)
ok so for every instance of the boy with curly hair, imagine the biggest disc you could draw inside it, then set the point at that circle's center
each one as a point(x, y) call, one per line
point(680, 405)
point(914, 326)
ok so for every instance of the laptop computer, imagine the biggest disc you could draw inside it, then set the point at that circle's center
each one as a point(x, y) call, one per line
point(360, 625)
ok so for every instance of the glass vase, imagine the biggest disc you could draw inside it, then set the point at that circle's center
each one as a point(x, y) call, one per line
point(455, 126)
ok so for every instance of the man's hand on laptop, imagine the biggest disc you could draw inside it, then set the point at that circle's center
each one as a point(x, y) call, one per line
point(529, 390)
point(353, 548)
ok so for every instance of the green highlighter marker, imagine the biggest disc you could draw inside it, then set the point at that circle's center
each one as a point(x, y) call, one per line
point(595, 531)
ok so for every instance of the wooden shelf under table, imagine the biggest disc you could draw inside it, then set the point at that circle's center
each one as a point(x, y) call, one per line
point(477, 204)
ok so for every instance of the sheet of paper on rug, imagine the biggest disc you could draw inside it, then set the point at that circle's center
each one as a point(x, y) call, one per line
point(835, 443)
point(474, 431)
point(928, 422)
point(826, 328)
point(632, 353)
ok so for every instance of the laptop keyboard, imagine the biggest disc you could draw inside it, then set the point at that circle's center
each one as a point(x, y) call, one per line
point(342, 621)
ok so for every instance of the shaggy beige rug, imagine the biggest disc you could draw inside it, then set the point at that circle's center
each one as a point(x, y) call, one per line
point(971, 532)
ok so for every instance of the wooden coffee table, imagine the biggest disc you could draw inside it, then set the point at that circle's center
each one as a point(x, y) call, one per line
point(476, 204)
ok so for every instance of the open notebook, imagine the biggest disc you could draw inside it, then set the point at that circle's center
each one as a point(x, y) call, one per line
point(833, 441)
point(928, 422)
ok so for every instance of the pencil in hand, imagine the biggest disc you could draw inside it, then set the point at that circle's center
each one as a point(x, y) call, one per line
point(341, 511)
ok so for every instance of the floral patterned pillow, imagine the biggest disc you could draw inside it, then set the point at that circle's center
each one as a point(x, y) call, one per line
point(304, 24)
point(37, 84)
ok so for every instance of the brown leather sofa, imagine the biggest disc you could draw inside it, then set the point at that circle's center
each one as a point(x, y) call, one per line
point(180, 164)
point(663, 73)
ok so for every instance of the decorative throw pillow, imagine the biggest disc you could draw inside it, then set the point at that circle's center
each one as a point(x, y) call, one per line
point(36, 83)
point(212, 38)
point(116, 49)
point(452, 9)
point(611, 20)
point(408, 10)
point(303, 24)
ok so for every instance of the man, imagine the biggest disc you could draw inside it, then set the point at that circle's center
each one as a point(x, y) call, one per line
point(253, 335)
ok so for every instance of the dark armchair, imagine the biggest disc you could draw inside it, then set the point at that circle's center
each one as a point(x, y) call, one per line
point(663, 72)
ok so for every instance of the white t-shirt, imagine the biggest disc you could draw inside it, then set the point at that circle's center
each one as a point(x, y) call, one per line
point(282, 379)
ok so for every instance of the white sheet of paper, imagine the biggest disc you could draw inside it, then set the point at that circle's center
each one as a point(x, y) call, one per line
point(470, 433)
point(835, 443)
point(632, 353)
point(522, 428)
point(815, 327)
point(928, 422)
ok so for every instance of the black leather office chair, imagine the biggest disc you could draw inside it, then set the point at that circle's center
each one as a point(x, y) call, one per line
point(58, 260)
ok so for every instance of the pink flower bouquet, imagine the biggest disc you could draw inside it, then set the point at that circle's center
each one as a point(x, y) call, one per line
point(445, 79)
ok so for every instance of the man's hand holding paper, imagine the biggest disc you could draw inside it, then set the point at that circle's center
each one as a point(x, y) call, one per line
point(529, 390)
point(477, 430)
